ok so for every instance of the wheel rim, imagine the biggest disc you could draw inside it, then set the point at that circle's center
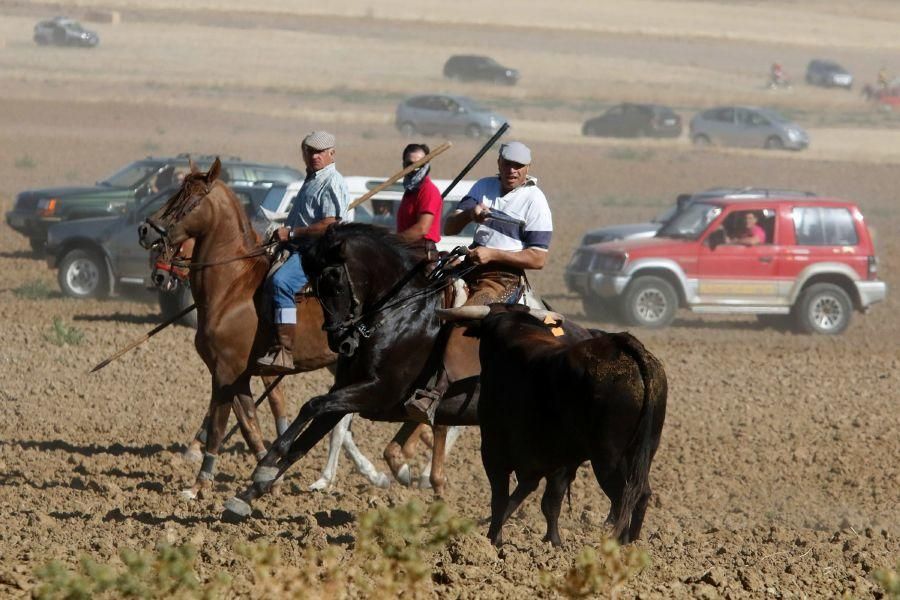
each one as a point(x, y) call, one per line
point(651, 305)
point(826, 313)
point(82, 276)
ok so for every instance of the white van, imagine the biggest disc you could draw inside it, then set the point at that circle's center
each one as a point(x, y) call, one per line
point(381, 209)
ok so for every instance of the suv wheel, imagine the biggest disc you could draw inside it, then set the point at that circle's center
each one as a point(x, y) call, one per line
point(82, 274)
point(597, 309)
point(701, 140)
point(649, 302)
point(172, 303)
point(823, 308)
point(408, 129)
point(473, 131)
point(774, 143)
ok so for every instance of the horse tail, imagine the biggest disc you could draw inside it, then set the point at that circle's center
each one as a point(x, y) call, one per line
point(645, 441)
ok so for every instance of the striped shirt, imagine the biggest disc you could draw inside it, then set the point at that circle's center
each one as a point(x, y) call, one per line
point(527, 203)
point(323, 194)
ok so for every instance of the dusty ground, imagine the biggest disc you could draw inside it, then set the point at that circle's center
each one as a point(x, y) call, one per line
point(779, 471)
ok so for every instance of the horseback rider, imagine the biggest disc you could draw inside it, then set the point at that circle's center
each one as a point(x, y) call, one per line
point(419, 214)
point(321, 201)
point(501, 251)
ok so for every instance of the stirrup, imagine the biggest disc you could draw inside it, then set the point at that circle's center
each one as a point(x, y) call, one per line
point(422, 406)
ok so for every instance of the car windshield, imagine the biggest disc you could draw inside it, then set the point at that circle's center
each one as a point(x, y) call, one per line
point(131, 176)
point(665, 215)
point(691, 222)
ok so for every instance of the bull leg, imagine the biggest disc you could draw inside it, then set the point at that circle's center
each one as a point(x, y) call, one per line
point(338, 436)
point(612, 482)
point(394, 456)
point(499, 480)
point(363, 464)
point(522, 491)
point(277, 404)
point(637, 517)
point(551, 503)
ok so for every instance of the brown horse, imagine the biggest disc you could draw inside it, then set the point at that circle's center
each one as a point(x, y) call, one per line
point(227, 268)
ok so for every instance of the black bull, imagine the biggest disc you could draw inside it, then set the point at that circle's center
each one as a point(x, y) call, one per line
point(548, 404)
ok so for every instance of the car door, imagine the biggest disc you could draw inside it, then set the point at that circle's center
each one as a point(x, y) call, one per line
point(733, 274)
point(129, 259)
point(612, 121)
point(454, 116)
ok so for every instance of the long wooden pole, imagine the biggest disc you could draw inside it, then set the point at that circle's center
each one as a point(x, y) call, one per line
point(399, 175)
point(144, 338)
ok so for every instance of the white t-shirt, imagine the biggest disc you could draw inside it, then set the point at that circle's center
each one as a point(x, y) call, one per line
point(527, 203)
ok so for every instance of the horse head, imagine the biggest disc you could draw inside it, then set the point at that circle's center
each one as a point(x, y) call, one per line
point(353, 266)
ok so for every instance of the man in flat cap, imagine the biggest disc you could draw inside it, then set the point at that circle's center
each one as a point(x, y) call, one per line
point(321, 201)
point(502, 250)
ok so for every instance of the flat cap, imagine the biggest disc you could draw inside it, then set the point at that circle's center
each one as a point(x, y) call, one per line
point(516, 152)
point(319, 140)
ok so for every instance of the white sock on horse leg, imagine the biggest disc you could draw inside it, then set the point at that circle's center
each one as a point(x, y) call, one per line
point(363, 464)
point(335, 442)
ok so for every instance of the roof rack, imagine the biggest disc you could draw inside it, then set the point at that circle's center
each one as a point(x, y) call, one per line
point(207, 156)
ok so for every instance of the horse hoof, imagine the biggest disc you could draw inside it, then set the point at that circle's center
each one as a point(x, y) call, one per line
point(264, 474)
point(404, 476)
point(189, 494)
point(320, 485)
point(192, 455)
point(237, 508)
point(382, 481)
point(425, 482)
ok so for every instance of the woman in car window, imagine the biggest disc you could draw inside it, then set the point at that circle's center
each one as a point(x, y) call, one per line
point(751, 234)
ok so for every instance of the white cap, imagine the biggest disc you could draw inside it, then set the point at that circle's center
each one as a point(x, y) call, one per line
point(516, 152)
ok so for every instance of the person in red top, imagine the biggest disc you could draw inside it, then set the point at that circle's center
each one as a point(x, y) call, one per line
point(751, 234)
point(419, 214)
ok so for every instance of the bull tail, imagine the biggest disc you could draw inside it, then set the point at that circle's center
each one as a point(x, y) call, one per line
point(643, 445)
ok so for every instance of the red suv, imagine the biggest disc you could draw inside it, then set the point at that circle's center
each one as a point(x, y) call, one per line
point(808, 261)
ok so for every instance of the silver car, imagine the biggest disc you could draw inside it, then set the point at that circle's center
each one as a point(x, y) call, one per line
point(431, 114)
point(747, 127)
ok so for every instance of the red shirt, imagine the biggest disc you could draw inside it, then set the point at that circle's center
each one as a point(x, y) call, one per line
point(425, 199)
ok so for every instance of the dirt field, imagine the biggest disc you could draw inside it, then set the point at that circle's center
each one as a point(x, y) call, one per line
point(779, 470)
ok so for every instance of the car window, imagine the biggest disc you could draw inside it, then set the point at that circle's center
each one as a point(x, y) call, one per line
point(450, 105)
point(420, 102)
point(691, 222)
point(131, 175)
point(378, 212)
point(616, 111)
point(273, 198)
point(820, 226)
point(725, 115)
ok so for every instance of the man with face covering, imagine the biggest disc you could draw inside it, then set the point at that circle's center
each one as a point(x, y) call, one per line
point(502, 251)
point(419, 214)
point(321, 201)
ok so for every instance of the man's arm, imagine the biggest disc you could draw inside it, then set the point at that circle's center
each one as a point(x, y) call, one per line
point(282, 234)
point(419, 229)
point(529, 258)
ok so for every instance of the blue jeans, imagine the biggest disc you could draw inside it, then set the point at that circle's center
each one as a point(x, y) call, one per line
point(282, 286)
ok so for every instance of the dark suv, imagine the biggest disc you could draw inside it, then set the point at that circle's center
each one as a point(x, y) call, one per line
point(826, 73)
point(635, 120)
point(36, 210)
point(479, 68)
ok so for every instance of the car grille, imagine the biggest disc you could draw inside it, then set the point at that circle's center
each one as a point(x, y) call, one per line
point(26, 202)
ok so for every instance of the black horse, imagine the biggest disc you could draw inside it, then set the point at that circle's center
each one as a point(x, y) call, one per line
point(380, 317)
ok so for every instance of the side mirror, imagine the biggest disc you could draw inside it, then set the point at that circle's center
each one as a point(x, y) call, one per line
point(716, 238)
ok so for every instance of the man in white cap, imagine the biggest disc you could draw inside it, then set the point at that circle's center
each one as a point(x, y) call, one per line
point(321, 201)
point(501, 249)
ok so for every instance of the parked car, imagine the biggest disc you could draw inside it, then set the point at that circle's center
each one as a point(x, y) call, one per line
point(817, 265)
point(479, 68)
point(747, 126)
point(61, 31)
point(635, 120)
point(35, 211)
point(827, 73)
point(431, 114)
point(630, 231)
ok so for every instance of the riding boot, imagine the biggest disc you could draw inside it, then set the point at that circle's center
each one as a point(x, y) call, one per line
point(423, 404)
point(280, 357)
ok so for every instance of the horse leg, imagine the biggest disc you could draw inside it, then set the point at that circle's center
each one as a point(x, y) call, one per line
point(438, 454)
point(264, 476)
point(217, 421)
point(277, 404)
point(338, 437)
point(194, 451)
point(394, 454)
point(363, 464)
point(245, 411)
point(453, 433)
point(551, 503)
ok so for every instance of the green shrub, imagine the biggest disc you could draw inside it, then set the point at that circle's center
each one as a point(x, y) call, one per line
point(64, 335)
point(889, 579)
point(25, 162)
point(603, 573)
point(33, 290)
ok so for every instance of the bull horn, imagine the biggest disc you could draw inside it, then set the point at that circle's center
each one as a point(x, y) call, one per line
point(463, 313)
point(541, 315)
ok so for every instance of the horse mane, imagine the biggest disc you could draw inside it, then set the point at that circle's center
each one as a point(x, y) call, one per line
point(336, 235)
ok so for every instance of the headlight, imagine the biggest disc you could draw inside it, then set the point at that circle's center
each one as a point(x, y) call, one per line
point(608, 263)
point(46, 207)
point(794, 134)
